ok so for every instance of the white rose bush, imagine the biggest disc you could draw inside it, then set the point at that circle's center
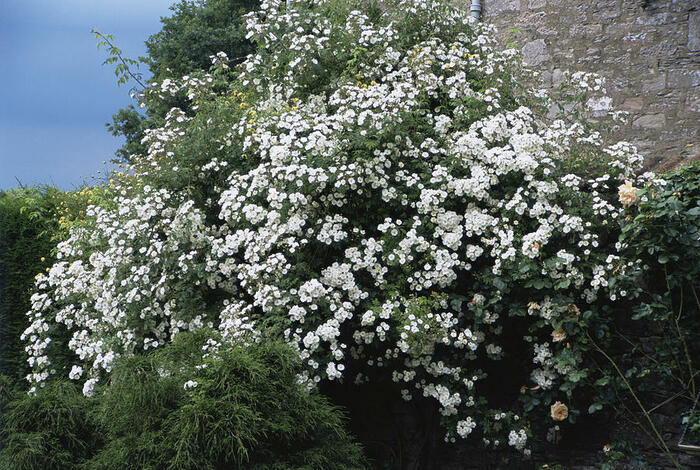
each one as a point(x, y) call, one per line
point(375, 188)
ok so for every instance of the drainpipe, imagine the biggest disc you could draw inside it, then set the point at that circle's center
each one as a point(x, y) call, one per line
point(476, 9)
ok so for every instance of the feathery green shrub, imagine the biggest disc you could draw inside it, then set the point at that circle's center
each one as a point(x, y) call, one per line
point(242, 407)
point(51, 430)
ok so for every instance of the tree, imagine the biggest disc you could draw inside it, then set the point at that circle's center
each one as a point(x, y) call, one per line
point(196, 30)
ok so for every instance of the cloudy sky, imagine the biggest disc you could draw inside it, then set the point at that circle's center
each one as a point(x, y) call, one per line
point(55, 94)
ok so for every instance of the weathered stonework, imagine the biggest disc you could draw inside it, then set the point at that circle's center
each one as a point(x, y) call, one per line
point(648, 50)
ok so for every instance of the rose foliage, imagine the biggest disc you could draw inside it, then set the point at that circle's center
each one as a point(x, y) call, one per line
point(373, 187)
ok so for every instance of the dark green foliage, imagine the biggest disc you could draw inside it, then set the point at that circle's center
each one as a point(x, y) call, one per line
point(196, 30)
point(49, 431)
point(663, 233)
point(247, 411)
point(665, 229)
point(27, 229)
point(32, 222)
point(661, 238)
point(691, 422)
point(131, 124)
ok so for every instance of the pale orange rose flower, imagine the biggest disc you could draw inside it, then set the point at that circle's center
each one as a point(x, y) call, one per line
point(558, 335)
point(628, 194)
point(559, 411)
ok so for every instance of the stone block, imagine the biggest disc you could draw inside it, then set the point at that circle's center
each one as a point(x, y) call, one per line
point(694, 30)
point(547, 31)
point(650, 121)
point(653, 20)
point(608, 14)
point(496, 7)
point(590, 32)
point(557, 77)
point(535, 53)
point(617, 29)
point(654, 83)
point(633, 104)
point(617, 59)
point(537, 4)
point(568, 16)
point(652, 47)
point(535, 17)
point(591, 56)
point(546, 79)
point(667, 102)
point(606, 4)
point(554, 111)
point(693, 101)
point(682, 78)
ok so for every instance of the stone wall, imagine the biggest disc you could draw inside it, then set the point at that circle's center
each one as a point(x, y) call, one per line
point(648, 50)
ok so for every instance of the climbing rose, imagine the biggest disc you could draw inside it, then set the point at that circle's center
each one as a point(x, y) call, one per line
point(628, 194)
point(558, 335)
point(559, 411)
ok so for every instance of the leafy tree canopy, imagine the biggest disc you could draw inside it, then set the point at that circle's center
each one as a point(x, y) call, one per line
point(196, 30)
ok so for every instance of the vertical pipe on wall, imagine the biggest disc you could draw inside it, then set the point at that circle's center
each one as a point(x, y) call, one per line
point(476, 9)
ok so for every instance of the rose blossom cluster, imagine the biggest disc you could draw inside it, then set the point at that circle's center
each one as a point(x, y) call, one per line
point(378, 223)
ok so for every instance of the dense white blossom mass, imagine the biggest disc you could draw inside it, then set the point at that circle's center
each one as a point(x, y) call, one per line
point(390, 225)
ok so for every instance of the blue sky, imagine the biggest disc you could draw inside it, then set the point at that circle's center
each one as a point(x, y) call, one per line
point(55, 94)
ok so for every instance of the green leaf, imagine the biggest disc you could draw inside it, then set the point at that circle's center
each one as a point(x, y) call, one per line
point(594, 407)
point(499, 284)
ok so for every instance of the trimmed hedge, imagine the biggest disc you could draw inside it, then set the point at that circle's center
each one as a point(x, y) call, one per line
point(32, 222)
point(28, 225)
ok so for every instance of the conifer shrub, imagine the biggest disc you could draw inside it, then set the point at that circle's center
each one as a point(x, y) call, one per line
point(26, 229)
point(238, 407)
point(50, 430)
point(31, 223)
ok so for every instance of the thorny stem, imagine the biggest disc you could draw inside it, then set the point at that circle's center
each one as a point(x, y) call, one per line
point(667, 451)
point(685, 346)
point(676, 361)
point(648, 357)
point(676, 319)
point(119, 56)
point(630, 417)
point(695, 294)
